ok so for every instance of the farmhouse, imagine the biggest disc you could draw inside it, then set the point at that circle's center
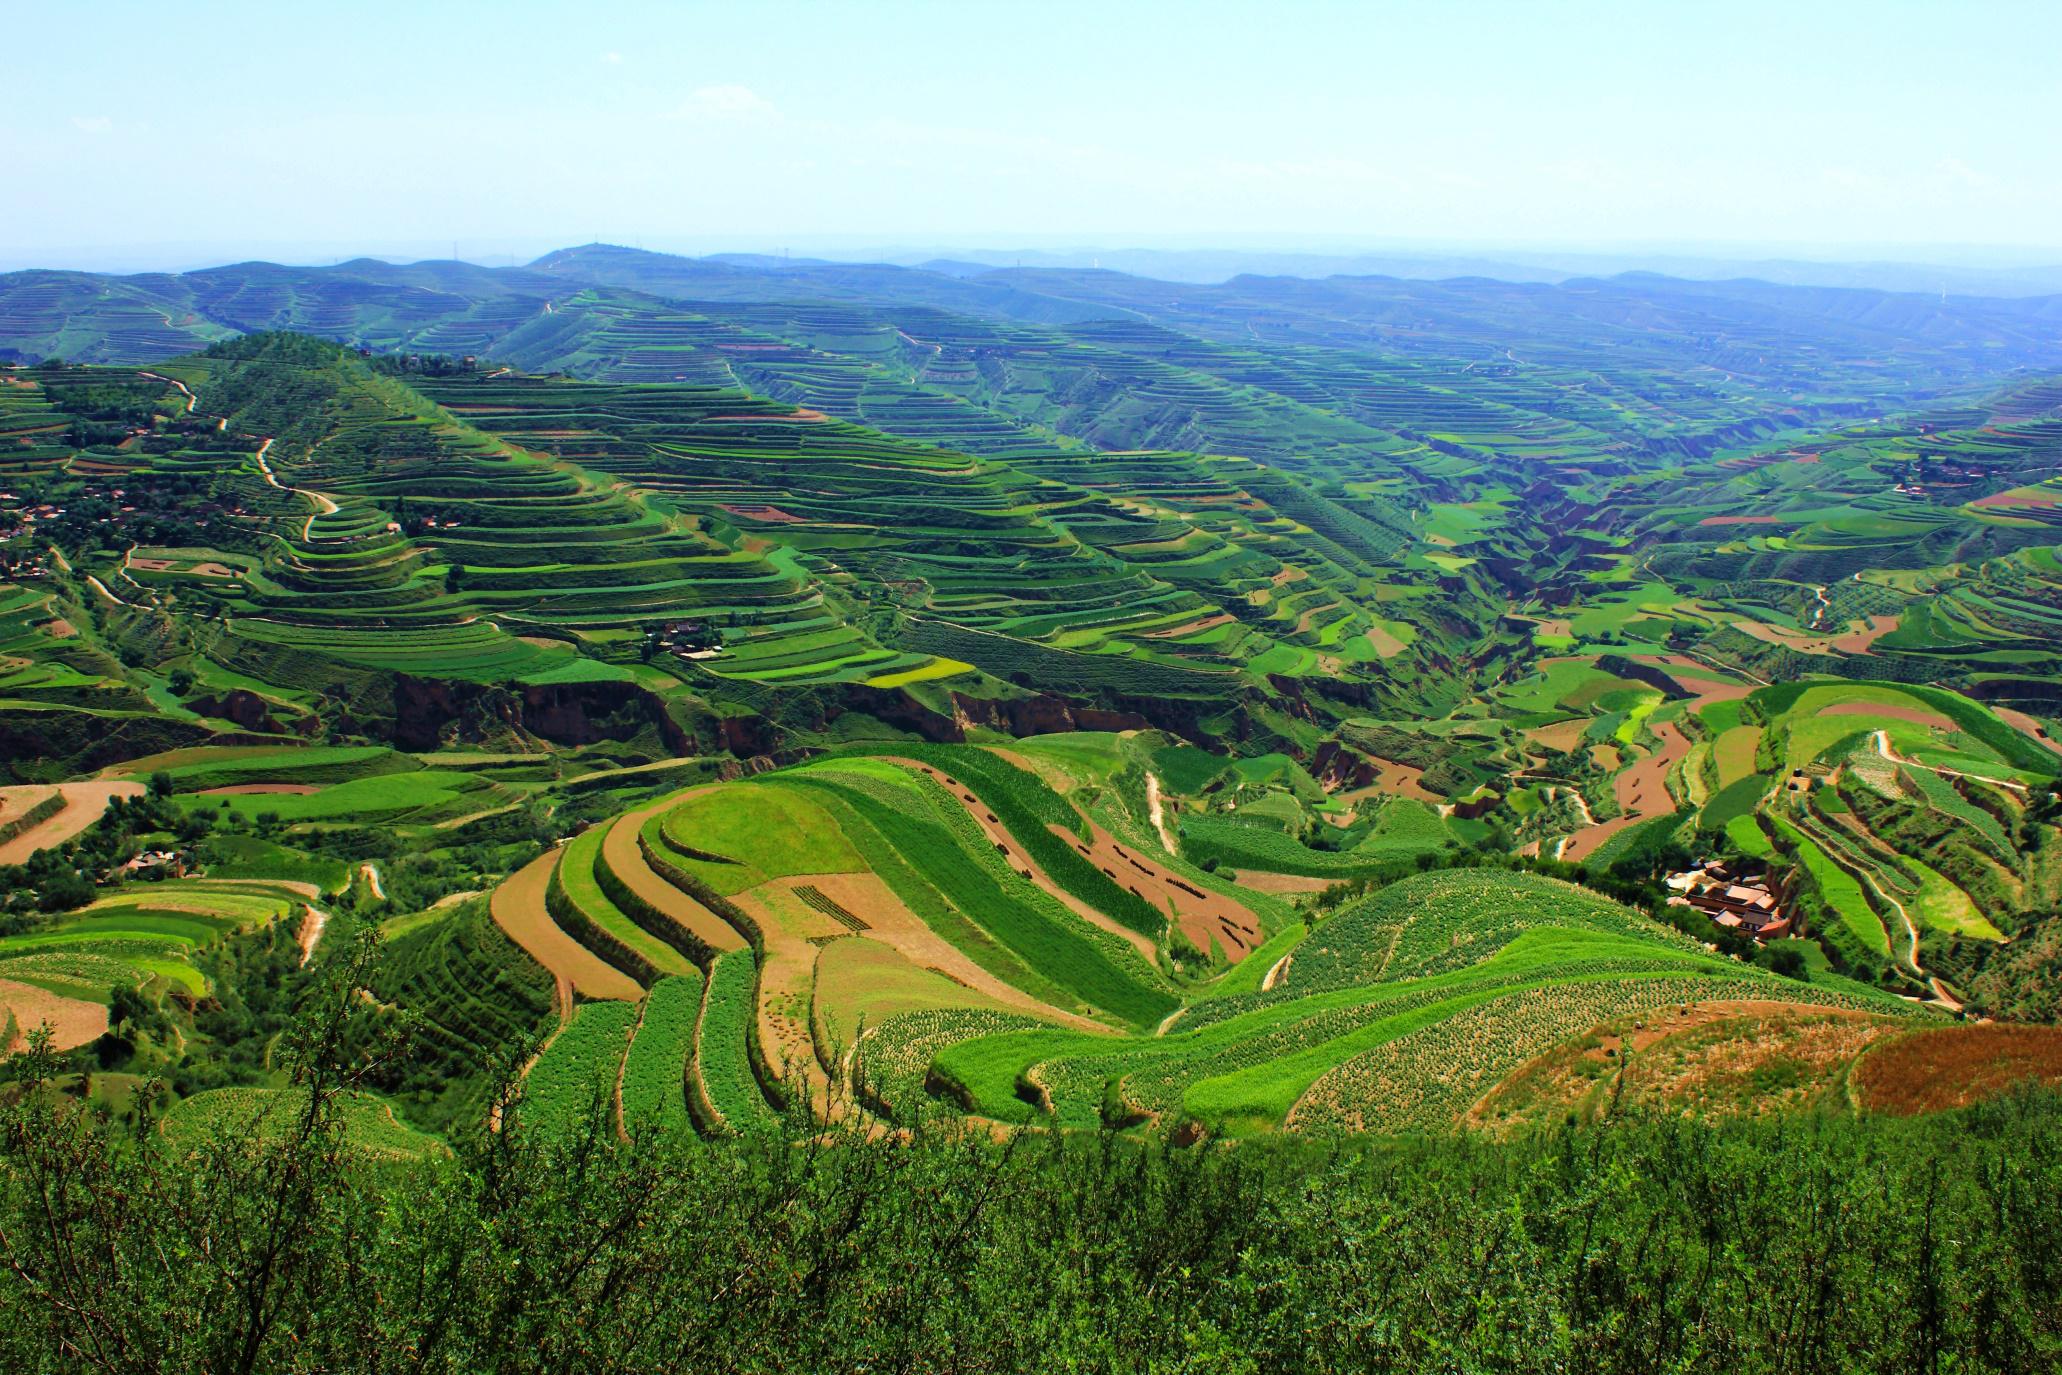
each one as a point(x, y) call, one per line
point(1738, 902)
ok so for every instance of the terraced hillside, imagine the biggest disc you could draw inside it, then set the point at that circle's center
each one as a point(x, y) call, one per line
point(732, 692)
point(994, 932)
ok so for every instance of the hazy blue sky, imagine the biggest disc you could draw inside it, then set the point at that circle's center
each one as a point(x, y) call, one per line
point(208, 130)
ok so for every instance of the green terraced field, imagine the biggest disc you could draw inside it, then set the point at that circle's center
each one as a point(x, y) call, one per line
point(1042, 687)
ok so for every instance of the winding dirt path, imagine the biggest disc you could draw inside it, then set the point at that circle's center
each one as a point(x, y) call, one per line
point(1883, 747)
point(325, 505)
point(176, 385)
point(1158, 812)
point(313, 923)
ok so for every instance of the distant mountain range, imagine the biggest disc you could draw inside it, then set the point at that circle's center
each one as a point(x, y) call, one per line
point(450, 306)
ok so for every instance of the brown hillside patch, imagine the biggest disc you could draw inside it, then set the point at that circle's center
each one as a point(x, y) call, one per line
point(1700, 688)
point(1725, 1058)
point(2026, 498)
point(1383, 643)
point(2025, 724)
point(1204, 916)
point(83, 805)
point(1954, 1066)
point(797, 417)
point(59, 629)
point(765, 515)
point(17, 802)
point(1642, 792)
point(1865, 633)
point(1195, 627)
point(1561, 735)
point(1395, 780)
point(73, 1021)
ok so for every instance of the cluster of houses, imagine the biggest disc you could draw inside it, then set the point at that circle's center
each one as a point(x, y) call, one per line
point(689, 640)
point(150, 864)
point(1747, 903)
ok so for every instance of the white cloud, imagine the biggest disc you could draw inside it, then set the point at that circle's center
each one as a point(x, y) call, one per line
point(92, 124)
point(725, 102)
point(1957, 170)
point(613, 59)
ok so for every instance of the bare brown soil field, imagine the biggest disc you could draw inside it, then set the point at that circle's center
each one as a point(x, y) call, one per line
point(1203, 916)
point(59, 629)
point(1642, 792)
point(2016, 501)
point(1396, 780)
point(211, 569)
point(1918, 716)
point(1261, 881)
point(17, 802)
point(1954, 1066)
point(1701, 688)
point(620, 852)
point(1782, 635)
point(1191, 627)
point(73, 1021)
point(1308, 619)
point(150, 565)
point(765, 515)
point(518, 909)
point(260, 789)
point(1865, 634)
point(2025, 724)
point(83, 804)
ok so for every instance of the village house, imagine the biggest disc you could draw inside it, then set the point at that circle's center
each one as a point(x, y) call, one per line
point(1746, 903)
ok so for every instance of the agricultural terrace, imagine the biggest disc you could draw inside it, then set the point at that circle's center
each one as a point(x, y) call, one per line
point(908, 927)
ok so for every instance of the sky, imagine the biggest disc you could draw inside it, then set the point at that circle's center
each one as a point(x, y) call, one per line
point(150, 135)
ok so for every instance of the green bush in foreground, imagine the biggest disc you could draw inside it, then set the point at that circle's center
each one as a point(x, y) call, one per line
point(1638, 1245)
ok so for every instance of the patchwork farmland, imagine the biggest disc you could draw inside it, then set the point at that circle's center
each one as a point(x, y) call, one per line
point(1050, 701)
